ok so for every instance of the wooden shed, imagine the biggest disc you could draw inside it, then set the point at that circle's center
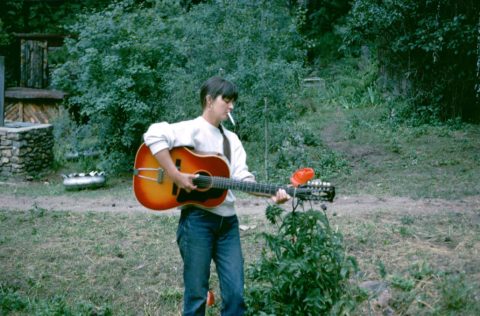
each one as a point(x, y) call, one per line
point(33, 101)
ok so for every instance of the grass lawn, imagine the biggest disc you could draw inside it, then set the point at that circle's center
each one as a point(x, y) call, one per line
point(100, 263)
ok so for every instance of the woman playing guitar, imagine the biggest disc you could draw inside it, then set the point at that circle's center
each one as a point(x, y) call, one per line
point(207, 233)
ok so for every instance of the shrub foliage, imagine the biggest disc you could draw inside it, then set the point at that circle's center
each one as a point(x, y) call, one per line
point(130, 66)
point(303, 269)
point(433, 44)
point(114, 74)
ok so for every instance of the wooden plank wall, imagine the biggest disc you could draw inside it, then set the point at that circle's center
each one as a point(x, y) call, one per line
point(22, 111)
point(34, 63)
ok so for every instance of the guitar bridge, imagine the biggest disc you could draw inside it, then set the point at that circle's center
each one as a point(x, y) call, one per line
point(160, 174)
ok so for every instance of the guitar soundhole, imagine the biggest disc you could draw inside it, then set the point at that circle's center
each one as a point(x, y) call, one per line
point(203, 192)
point(203, 183)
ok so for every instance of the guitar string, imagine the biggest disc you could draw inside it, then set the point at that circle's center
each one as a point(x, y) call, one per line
point(226, 183)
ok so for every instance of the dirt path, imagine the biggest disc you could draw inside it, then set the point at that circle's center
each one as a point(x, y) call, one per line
point(353, 205)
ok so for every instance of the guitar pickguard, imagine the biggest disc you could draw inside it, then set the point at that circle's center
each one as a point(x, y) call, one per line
point(198, 197)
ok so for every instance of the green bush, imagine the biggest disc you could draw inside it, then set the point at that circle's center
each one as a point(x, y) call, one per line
point(430, 44)
point(250, 43)
point(114, 74)
point(316, 19)
point(296, 146)
point(303, 269)
point(130, 66)
point(3, 35)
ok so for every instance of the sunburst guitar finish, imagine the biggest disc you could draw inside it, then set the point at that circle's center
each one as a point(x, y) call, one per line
point(156, 191)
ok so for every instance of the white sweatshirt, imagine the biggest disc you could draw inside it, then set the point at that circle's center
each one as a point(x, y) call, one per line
point(206, 138)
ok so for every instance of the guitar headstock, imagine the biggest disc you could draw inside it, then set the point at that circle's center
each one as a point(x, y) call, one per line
point(316, 190)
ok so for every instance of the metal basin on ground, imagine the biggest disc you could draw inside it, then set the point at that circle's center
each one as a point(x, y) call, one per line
point(78, 181)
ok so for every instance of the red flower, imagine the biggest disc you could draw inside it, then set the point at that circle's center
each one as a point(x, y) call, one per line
point(301, 176)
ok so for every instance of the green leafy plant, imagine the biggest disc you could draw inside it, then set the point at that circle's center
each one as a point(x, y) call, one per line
point(458, 295)
point(303, 269)
point(427, 50)
point(315, 18)
point(11, 300)
point(403, 283)
point(114, 74)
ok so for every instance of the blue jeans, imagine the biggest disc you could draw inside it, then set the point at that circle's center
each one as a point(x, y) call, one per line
point(201, 237)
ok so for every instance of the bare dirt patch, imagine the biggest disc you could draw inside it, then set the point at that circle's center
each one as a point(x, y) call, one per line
point(343, 205)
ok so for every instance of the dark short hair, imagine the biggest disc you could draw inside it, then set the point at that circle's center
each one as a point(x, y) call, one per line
point(216, 86)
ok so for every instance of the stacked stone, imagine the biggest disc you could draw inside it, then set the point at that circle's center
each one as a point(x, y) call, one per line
point(25, 151)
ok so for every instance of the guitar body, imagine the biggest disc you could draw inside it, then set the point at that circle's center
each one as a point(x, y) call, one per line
point(156, 191)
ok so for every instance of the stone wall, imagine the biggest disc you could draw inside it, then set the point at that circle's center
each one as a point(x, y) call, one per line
point(26, 149)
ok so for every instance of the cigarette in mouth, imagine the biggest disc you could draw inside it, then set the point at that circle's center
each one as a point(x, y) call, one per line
point(231, 118)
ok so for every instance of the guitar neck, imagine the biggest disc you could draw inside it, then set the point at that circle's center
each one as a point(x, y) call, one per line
point(319, 191)
point(245, 186)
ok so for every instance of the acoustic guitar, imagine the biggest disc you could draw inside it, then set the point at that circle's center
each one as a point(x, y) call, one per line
point(156, 191)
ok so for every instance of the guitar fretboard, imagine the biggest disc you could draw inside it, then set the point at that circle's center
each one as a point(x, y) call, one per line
point(245, 186)
point(253, 187)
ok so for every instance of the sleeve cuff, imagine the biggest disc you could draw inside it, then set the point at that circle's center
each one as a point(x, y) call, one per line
point(157, 147)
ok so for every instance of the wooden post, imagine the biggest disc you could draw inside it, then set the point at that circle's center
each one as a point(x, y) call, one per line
point(33, 67)
point(20, 111)
point(2, 90)
point(265, 157)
